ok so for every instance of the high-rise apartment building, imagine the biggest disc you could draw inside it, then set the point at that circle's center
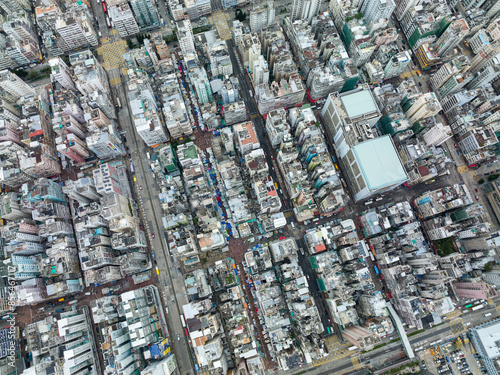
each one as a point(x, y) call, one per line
point(197, 8)
point(201, 85)
point(15, 6)
point(305, 9)
point(64, 340)
point(373, 10)
point(437, 135)
point(106, 144)
point(260, 71)
point(262, 16)
point(75, 31)
point(22, 53)
point(397, 64)
point(90, 75)
point(107, 180)
point(61, 73)
point(185, 36)
point(145, 14)
point(451, 37)
point(123, 19)
point(14, 86)
point(426, 105)
point(146, 117)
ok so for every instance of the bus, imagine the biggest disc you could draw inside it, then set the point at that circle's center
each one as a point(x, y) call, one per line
point(478, 307)
point(372, 257)
point(104, 6)
point(108, 22)
point(352, 348)
point(376, 270)
point(467, 306)
point(183, 321)
point(132, 167)
point(118, 103)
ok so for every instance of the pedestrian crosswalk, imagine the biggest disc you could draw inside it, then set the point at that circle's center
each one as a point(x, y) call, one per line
point(112, 54)
point(336, 350)
point(355, 362)
point(457, 326)
point(220, 20)
point(453, 314)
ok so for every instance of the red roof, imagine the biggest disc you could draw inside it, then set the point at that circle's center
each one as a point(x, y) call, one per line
point(423, 170)
point(320, 248)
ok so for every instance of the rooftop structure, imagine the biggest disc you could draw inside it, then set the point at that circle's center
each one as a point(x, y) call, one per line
point(485, 337)
point(438, 201)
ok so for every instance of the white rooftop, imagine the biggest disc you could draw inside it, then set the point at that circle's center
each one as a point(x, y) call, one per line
point(490, 338)
point(379, 163)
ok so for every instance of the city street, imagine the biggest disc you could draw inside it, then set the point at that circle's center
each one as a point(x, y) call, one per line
point(392, 352)
point(169, 281)
point(164, 268)
point(170, 284)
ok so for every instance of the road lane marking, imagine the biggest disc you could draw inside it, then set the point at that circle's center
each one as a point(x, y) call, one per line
point(355, 362)
point(457, 326)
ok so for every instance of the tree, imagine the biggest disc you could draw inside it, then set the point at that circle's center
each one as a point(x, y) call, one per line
point(170, 38)
point(358, 16)
point(488, 266)
point(140, 39)
point(46, 69)
point(481, 181)
point(65, 59)
point(129, 43)
point(33, 75)
point(239, 15)
point(493, 177)
point(20, 72)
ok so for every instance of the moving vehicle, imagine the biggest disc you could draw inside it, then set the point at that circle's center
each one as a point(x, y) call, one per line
point(108, 22)
point(118, 102)
point(104, 6)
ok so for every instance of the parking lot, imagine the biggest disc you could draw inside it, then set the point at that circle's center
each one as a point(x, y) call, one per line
point(455, 357)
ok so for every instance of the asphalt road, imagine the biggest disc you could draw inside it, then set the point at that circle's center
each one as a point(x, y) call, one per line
point(245, 86)
point(170, 283)
point(392, 352)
